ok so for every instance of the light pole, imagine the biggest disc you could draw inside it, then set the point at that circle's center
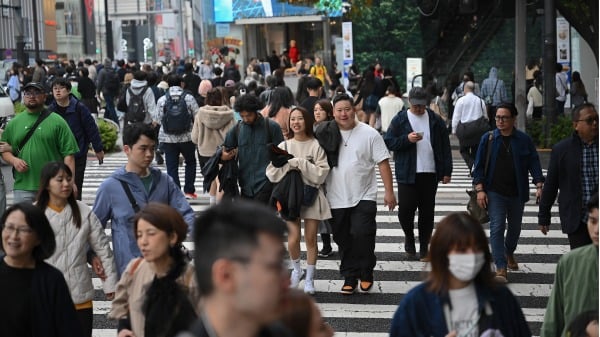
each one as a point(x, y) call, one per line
point(19, 38)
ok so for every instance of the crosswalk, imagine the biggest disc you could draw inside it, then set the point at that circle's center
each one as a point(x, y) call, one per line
point(363, 315)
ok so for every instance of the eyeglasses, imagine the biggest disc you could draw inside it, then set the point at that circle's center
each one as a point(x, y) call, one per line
point(19, 230)
point(503, 118)
point(32, 93)
point(589, 120)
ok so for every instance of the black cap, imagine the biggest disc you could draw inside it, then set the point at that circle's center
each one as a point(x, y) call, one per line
point(417, 96)
point(35, 85)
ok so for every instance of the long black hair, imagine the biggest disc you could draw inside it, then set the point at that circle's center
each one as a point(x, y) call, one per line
point(50, 171)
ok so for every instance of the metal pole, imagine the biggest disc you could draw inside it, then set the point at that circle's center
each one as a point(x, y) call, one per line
point(110, 50)
point(520, 54)
point(19, 38)
point(181, 31)
point(549, 67)
point(36, 37)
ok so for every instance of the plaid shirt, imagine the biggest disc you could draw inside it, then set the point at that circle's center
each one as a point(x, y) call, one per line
point(589, 175)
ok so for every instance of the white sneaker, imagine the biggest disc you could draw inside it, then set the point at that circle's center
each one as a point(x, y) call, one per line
point(296, 277)
point(309, 287)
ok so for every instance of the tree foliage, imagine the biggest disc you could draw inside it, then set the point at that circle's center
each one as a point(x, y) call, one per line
point(387, 32)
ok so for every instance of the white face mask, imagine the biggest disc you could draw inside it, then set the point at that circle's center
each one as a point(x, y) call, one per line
point(465, 266)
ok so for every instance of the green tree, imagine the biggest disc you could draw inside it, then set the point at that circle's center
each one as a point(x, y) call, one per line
point(387, 32)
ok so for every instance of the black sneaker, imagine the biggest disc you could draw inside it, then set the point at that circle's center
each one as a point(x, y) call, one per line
point(159, 158)
point(326, 252)
point(409, 246)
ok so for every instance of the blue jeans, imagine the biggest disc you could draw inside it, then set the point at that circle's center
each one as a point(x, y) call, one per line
point(501, 209)
point(188, 150)
point(110, 112)
point(21, 196)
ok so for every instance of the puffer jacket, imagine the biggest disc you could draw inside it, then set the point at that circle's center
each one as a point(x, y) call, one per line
point(71, 247)
point(149, 101)
point(210, 127)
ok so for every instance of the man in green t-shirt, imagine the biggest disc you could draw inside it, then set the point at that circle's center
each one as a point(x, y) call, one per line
point(52, 140)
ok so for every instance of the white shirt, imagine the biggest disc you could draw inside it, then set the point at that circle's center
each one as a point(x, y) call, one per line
point(389, 107)
point(464, 315)
point(468, 108)
point(425, 160)
point(354, 179)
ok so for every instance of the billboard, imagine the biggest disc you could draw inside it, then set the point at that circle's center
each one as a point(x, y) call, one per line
point(231, 10)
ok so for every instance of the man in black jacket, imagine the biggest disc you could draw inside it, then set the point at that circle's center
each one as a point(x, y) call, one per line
point(574, 171)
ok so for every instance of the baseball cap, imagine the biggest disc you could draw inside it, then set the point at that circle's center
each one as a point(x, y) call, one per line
point(417, 96)
point(34, 85)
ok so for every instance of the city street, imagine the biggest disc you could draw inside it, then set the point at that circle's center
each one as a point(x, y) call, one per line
point(363, 315)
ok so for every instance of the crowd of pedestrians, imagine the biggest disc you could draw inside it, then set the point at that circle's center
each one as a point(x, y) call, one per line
point(308, 163)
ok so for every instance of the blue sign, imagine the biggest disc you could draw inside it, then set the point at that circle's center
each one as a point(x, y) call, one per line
point(223, 10)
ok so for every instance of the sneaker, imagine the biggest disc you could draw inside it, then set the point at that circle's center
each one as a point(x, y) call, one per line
point(191, 196)
point(409, 246)
point(501, 276)
point(512, 263)
point(296, 277)
point(425, 259)
point(326, 252)
point(349, 286)
point(309, 287)
point(365, 286)
point(159, 158)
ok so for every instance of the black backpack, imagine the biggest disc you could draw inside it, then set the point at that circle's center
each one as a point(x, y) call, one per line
point(111, 82)
point(176, 118)
point(136, 109)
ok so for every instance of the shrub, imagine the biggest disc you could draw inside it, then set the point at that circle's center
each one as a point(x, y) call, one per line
point(558, 131)
point(108, 134)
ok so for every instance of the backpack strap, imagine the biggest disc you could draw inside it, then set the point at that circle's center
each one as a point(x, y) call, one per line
point(134, 204)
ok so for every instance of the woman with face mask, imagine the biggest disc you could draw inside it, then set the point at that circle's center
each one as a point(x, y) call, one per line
point(459, 296)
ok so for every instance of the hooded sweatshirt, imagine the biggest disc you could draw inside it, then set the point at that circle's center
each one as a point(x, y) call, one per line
point(149, 101)
point(210, 127)
point(494, 87)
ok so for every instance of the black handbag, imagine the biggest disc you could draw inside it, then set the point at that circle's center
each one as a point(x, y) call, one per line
point(310, 195)
point(470, 133)
point(479, 213)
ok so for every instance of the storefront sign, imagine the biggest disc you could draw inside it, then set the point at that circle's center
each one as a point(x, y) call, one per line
point(414, 67)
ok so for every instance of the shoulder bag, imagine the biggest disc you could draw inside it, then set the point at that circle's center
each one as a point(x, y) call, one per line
point(473, 207)
point(17, 151)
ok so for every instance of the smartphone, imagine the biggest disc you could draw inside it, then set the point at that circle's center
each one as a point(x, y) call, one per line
point(420, 134)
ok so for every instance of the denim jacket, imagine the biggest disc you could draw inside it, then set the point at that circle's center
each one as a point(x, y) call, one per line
point(525, 159)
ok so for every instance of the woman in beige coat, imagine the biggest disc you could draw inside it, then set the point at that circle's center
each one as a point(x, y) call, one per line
point(211, 124)
point(310, 159)
point(157, 295)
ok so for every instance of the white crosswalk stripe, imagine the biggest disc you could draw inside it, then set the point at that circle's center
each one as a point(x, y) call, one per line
point(370, 315)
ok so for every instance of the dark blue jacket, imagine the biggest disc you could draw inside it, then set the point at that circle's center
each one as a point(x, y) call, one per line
point(564, 173)
point(405, 152)
point(421, 313)
point(82, 124)
point(525, 159)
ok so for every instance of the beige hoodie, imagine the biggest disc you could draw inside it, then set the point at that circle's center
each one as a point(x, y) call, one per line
point(210, 127)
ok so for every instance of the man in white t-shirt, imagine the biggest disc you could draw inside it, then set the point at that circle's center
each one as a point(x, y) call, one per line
point(352, 194)
point(423, 158)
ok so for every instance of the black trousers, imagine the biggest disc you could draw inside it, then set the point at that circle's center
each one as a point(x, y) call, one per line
point(80, 164)
point(419, 195)
point(468, 153)
point(354, 231)
point(86, 318)
point(580, 237)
